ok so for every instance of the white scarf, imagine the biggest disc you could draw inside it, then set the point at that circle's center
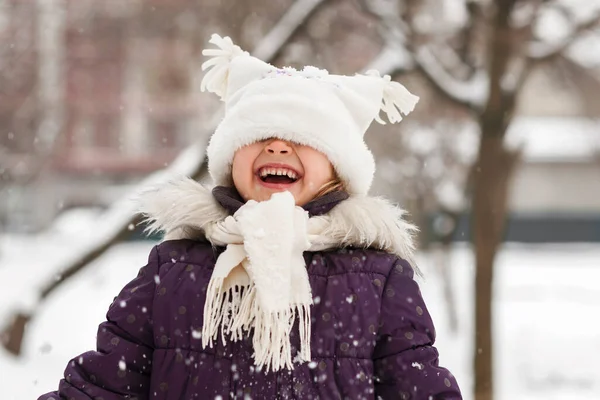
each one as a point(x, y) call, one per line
point(260, 281)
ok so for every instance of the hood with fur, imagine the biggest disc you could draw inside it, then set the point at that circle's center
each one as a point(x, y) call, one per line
point(182, 208)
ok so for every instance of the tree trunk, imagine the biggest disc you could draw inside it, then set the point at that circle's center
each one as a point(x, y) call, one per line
point(491, 182)
point(494, 169)
point(445, 264)
point(446, 234)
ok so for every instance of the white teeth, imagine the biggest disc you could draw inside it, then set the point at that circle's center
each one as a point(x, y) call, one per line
point(278, 171)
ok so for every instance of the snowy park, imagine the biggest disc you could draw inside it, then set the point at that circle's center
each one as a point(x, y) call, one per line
point(462, 136)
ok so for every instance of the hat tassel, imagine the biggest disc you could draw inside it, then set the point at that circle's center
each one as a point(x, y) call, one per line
point(396, 99)
point(215, 80)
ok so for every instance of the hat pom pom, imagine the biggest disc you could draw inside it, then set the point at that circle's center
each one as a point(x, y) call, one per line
point(215, 80)
point(396, 99)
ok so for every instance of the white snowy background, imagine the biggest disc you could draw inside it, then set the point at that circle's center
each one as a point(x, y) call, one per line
point(547, 297)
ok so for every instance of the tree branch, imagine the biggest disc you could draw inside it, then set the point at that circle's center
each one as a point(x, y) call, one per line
point(392, 59)
point(119, 217)
point(270, 46)
point(472, 93)
point(500, 103)
point(467, 49)
point(399, 56)
point(385, 11)
point(540, 52)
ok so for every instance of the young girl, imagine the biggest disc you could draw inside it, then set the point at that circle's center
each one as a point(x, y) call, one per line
point(286, 281)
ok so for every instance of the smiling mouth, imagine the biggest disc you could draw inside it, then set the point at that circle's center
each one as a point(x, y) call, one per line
point(277, 176)
point(277, 179)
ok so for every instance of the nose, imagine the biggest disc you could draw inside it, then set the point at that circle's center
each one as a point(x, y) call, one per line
point(278, 146)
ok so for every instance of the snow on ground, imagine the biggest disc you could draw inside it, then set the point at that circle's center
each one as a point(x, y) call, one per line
point(547, 327)
point(67, 322)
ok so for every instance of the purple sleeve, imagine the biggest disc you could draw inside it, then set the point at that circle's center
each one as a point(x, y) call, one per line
point(121, 365)
point(406, 363)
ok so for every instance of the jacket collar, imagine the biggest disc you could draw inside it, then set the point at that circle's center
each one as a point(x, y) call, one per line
point(230, 200)
point(183, 208)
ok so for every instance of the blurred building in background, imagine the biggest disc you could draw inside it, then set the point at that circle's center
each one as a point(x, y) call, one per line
point(123, 79)
point(95, 95)
point(129, 86)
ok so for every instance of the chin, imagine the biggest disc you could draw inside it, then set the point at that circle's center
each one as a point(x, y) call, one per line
point(266, 195)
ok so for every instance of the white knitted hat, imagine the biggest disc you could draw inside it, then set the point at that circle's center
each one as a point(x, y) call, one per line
point(329, 113)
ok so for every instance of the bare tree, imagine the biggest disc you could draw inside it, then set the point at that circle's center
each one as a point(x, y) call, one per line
point(121, 216)
point(480, 62)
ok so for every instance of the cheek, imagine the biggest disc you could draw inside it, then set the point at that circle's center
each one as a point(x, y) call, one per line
point(318, 170)
point(242, 167)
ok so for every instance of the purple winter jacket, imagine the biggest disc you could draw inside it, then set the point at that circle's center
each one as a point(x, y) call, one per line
point(372, 336)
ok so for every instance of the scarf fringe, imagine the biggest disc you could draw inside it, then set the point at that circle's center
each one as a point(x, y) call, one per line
point(236, 311)
point(213, 311)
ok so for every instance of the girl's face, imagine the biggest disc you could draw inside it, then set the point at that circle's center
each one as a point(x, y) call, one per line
point(273, 165)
